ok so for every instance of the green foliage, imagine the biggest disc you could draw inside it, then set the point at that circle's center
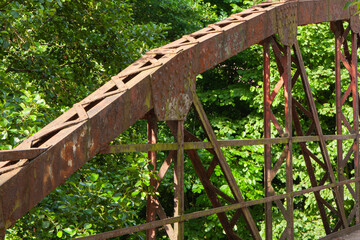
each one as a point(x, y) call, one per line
point(69, 48)
point(233, 95)
point(226, 7)
point(55, 52)
point(24, 112)
point(176, 13)
point(94, 196)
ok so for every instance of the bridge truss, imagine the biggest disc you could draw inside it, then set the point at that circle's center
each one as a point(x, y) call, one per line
point(161, 86)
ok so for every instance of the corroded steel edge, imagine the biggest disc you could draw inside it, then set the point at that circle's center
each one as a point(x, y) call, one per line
point(25, 187)
point(71, 147)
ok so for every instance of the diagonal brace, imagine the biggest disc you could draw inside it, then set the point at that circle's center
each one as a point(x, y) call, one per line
point(224, 165)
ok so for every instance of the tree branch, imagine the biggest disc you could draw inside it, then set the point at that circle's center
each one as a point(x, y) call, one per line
point(20, 70)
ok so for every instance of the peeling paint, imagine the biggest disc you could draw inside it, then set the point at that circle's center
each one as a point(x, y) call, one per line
point(168, 92)
point(178, 107)
point(148, 100)
point(83, 131)
point(50, 172)
point(74, 149)
point(287, 20)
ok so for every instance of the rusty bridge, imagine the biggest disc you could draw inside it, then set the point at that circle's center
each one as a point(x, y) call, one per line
point(161, 86)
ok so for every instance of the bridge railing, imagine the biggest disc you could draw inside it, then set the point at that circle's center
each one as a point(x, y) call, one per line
point(161, 87)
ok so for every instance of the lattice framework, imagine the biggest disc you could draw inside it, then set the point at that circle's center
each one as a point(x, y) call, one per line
point(144, 91)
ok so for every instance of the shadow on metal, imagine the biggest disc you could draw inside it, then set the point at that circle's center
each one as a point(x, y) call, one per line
point(160, 86)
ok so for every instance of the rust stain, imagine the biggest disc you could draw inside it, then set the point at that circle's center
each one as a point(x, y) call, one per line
point(162, 81)
point(17, 205)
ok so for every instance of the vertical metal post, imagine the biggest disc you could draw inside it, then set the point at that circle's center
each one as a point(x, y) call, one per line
point(338, 109)
point(179, 181)
point(267, 134)
point(337, 28)
point(151, 203)
point(355, 97)
point(288, 131)
point(350, 62)
point(2, 234)
point(2, 223)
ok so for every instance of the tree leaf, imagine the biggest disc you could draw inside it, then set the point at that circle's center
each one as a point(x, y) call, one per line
point(59, 234)
point(94, 177)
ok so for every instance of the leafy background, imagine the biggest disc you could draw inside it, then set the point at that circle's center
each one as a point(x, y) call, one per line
point(56, 52)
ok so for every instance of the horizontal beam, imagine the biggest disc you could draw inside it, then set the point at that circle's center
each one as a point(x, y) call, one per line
point(17, 154)
point(198, 214)
point(341, 233)
point(122, 101)
point(123, 148)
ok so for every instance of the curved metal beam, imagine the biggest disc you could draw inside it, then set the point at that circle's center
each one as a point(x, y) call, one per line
point(161, 80)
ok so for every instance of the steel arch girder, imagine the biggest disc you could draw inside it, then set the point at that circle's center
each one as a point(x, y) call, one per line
point(142, 86)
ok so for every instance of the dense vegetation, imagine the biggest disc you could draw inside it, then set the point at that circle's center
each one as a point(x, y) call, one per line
point(56, 52)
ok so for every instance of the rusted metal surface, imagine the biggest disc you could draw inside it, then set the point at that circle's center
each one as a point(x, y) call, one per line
point(151, 205)
point(70, 148)
point(222, 143)
point(212, 192)
point(326, 159)
point(15, 155)
point(350, 233)
point(225, 167)
point(179, 181)
point(283, 59)
point(163, 82)
point(348, 57)
point(267, 134)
